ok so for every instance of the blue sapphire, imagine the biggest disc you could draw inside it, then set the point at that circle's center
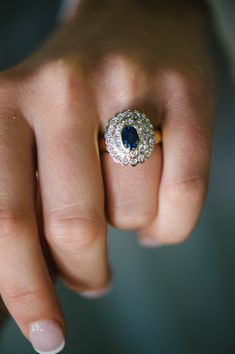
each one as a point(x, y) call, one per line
point(130, 137)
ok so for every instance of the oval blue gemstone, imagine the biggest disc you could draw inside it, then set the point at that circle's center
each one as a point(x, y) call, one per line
point(130, 137)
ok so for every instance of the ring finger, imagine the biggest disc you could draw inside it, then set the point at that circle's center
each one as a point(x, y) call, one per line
point(131, 193)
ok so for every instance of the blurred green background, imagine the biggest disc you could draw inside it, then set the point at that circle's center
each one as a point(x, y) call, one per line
point(169, 300)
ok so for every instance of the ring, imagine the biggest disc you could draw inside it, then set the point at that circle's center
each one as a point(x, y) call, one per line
point(129, 138)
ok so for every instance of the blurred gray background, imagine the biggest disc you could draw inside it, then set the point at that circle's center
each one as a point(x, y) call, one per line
point(169, 300)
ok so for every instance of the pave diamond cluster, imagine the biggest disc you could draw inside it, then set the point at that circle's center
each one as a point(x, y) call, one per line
point(129, 137)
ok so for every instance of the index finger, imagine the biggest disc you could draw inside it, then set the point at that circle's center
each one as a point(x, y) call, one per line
point(25, 284)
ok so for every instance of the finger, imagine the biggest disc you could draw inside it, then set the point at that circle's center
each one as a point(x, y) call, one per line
point(25, 285)
point(187, 135)
point(72, 197)
point(131, 193)
point(44, 245)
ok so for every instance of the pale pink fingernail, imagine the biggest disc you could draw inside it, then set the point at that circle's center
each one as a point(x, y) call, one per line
point(92, 294)
point(149, 242)
point(46, 337)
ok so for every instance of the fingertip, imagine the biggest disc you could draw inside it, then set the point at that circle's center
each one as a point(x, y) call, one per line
point(96, 294)
point(149, 242)
point(46, 337)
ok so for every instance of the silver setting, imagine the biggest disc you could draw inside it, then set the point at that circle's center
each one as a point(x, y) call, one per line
point(113, 138)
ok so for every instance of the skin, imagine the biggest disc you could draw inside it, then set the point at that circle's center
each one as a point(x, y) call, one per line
point(53, 108)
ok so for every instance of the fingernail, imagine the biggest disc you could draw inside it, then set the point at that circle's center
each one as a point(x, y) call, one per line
point(149, 242)
point(46, 337)
point(92, 294)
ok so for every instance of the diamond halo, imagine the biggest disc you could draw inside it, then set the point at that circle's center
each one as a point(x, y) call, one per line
point(122, 145)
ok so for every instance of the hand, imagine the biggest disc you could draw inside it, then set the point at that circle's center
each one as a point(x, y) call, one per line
point(54, 106)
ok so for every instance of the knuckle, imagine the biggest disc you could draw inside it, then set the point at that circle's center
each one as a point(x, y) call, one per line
point(73, 230)
point(61, 79)
point(23, 301)
point(129, 220)
point(187, 187)
point(179, 231)
point(12, 222)
point(176, 233)
point(101, 282)
point(185, 87)
point(174, 239)
point(112, 61)
point(113, 67)
point(20, 295)
point(185, 198)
